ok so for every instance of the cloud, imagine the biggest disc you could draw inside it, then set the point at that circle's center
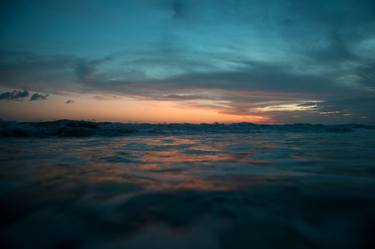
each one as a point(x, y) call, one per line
point(290, 107)
point(69, 101)
point(38, 96)
point(85, 69)
point(22, 95)
point(19, 69)
point(179, 10)
point(14, 95)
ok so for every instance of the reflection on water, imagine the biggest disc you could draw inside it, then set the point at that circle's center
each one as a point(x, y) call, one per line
point(270, 190)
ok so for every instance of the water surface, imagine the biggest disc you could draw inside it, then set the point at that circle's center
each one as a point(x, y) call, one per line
point(277, 189)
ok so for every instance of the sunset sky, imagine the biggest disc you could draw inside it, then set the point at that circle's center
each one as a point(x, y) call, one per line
point(267, 61)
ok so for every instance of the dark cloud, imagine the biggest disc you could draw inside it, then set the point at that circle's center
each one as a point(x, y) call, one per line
point(179, 9)
point(257, 76)
point(366, 74)
point(337, 50)
point(22, 95)
point(38, 96)
point(35, 72)
point(69, 101)
point(85, 69)
point(14, 95)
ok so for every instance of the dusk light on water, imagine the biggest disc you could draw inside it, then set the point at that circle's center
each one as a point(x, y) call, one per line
point(187, 124)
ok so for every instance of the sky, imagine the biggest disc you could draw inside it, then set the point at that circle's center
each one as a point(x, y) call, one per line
point(195, 61)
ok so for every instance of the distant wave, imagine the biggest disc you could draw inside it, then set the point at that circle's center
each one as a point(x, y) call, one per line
point(73, 128)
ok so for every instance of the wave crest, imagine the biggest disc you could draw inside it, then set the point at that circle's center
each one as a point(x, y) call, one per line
point(74, 128)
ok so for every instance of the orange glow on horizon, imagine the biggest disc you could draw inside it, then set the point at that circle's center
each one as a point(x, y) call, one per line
point(121, 110)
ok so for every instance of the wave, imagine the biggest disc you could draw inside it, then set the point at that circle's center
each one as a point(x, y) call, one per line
point(75, 128)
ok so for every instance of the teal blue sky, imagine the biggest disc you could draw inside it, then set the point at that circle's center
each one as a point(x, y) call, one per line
point(296, 61)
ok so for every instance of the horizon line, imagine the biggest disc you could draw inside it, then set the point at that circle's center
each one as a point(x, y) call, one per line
point(181, 123)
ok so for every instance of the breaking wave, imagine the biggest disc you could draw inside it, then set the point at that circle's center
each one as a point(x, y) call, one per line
point(73, 128)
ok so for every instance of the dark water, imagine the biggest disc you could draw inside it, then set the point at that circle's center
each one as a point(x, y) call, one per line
point(209, 190)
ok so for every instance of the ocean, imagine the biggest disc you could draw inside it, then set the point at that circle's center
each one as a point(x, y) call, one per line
point(102, 185)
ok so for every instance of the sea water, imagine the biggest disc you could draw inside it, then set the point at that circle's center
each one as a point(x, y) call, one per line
point(270, 189)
